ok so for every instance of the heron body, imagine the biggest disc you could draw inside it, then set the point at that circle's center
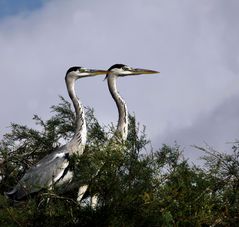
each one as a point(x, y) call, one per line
point(53, 169)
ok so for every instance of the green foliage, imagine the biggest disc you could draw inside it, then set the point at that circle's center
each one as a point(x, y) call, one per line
point(223, 172)
point(135, 185)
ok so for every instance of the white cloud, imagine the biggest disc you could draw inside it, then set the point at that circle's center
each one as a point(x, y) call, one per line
point(192, 43)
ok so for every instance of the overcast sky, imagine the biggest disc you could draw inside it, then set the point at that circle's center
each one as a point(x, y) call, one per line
point(194, 44)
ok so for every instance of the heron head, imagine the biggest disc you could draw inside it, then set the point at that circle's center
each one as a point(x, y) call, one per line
point(121, 70)
point(77, 72)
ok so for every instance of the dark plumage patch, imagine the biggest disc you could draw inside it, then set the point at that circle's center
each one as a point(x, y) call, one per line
point(116, 66)
point(74, 68)
point(67, 156)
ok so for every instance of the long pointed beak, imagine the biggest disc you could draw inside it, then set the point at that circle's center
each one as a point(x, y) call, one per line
point(94, 72)
point(143, 71)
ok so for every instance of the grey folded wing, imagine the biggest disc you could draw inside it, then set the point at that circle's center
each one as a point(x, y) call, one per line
point(51, 169)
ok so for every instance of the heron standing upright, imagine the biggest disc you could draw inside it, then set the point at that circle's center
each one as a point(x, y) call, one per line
point(53, 168)
point(121, 70)
point(121, 133)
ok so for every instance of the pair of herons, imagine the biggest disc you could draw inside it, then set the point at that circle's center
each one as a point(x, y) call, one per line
point(53, 168)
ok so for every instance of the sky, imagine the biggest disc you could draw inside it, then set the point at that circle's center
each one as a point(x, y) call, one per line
point(194, 45)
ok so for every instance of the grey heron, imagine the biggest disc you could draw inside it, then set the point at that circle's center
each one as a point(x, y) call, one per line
point(53, 169)
point(121, 70)
point(121, 133)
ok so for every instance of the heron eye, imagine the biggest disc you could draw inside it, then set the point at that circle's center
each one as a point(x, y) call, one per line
point(82, 69)
point(126, 68)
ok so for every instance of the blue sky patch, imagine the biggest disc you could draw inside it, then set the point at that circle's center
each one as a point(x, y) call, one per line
point(12, 7)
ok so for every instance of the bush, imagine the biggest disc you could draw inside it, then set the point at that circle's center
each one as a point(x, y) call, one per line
point(135, 185)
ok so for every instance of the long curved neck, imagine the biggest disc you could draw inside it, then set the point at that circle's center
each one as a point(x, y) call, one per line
point(79, 139)
point(122, 127)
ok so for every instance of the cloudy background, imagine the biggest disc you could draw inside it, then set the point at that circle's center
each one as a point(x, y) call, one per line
point(194, 44)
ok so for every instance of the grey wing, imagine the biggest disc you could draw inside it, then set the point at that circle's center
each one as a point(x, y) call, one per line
point(51, 169)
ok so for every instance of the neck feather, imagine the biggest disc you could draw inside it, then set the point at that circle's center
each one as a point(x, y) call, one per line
point(79, 139)
point(122, 126)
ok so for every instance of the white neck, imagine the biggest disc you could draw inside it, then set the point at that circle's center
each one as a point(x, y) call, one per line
point(79, 139)
point(122, 126)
